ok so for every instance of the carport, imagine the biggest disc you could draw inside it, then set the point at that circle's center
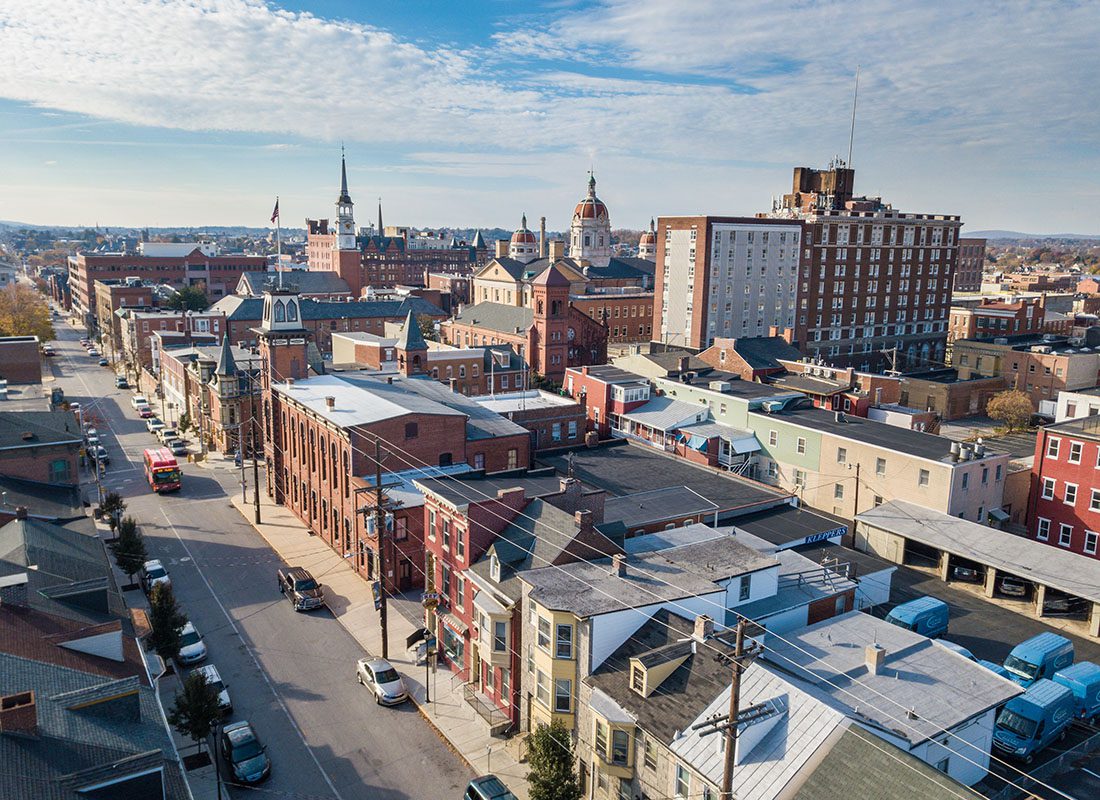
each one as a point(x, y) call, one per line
point(1058, 581)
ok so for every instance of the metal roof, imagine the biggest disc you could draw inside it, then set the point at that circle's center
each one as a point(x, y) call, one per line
point(664, 413)
point(1043, 563)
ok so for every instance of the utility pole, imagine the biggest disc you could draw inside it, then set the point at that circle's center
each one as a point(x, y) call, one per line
point(855, 513)
point(380, 527)
point(727, 723)
point(252, 446)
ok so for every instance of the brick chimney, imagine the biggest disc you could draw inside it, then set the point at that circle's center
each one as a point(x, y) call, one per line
point(875, 657)
point(682, 364)
point(584, 520)
point(18, 714)
point(704, 628)
point(618, 564)
point(330, 402)
point(501, 248)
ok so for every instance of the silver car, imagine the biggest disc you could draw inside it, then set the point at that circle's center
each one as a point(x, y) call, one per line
point(192, 647)
point(210, 673)
point(382, 679)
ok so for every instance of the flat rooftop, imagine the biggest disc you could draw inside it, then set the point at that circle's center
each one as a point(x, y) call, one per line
point(612, 374)
point(941, 688)
point(656, 505)
point(866, 431)
point(1084, 427)
point(1014, 555)
point(631, 468)
point(789, 526)
point(476, 486)
point(522, 401)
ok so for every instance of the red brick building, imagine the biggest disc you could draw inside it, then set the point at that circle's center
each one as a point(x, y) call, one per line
point(481, 532)
point(968, 271)
point(551, 334)
point(40, 446)
point(994, 318)
point(20, 359)
point(872, 278)
point(554, 421)
point(603, 391)
point(320, 435)
point(201, 266)
point(1064, 503)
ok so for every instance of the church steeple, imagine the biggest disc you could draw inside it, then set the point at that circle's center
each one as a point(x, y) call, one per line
point(345, 213)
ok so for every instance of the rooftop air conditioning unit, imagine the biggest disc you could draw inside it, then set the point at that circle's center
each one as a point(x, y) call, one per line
point(1000, 340)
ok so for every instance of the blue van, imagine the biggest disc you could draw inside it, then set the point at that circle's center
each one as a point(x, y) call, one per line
point(995, 668)
point(1039, 657)
point(1031, 721)
point(1083, 679)
point(925, 615)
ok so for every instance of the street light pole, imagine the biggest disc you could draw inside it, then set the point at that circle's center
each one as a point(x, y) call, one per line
point(380, 526)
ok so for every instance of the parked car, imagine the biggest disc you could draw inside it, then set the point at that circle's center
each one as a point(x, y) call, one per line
point(153, 424)
point(244, 753)
point(47, 350)
point(104, 362)
point(137, 401)
point(145, 412)
point(177, 447)
point(192, 647)
point(74, 407)
point(1064, 606)
point(93, 353)
point(1012, 587)
point(1031, 721)
point(92, 442)
point(210, 672)
point(378, 675)
point(121, 383)
point(487, 787)
point(100, 455)
point(927, 616)
point(167, 434)
point(966, 574)
point(1039, 657)
point(153, 574)
point(298, 586)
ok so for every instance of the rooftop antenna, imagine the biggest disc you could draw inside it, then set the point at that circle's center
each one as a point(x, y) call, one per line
point(852, 135)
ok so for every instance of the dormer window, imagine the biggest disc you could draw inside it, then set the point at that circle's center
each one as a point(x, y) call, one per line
point(637, 679)
point(494, 567)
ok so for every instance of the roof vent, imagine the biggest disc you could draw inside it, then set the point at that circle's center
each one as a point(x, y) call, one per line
point(839, 416)
point(26, 436)
point(330, 402)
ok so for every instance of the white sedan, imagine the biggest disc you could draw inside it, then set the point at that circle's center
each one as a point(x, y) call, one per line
point(382, 679)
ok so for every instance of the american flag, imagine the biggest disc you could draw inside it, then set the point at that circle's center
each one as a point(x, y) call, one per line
point(275, 213)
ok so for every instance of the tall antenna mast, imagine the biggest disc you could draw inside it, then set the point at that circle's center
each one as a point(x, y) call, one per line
point(852, 135)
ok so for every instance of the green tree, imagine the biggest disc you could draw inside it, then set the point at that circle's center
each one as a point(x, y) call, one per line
point(427, 326)
point(129, 548)
point(1012, 407)
point(184, 424)
point(165, 622)
point(195, 711)
point(24, 312)
point(112, 506)
point(550, 754)
point(189, 298)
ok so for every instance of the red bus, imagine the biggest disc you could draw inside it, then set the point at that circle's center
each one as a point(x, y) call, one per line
point(161, 469)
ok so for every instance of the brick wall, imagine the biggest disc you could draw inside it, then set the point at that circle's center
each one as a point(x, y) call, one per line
point(20, 359)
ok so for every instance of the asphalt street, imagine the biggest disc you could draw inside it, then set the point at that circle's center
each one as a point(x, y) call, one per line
point(290, 674)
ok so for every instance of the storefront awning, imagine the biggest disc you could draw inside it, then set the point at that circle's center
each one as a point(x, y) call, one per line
point(454, 623)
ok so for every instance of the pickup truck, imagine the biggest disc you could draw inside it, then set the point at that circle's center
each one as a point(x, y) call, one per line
point(299, 587)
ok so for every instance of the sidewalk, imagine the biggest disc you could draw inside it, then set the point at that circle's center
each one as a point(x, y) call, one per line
point(350, 599)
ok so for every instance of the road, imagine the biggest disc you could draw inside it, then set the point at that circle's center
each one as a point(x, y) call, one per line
point(291, 675)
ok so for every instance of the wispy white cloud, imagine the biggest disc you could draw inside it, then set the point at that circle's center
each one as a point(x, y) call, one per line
point(706, 104)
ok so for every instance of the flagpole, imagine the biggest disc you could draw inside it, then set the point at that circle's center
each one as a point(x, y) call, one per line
point(279, 243)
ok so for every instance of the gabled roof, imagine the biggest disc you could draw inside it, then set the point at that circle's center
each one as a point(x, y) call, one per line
point(497, 317)
point(308, 281)
point(765, 352)
point(36, 428)
point(552, 276)
point(620, 267)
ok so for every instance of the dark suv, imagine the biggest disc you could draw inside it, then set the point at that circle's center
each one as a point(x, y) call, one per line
point(300, 588)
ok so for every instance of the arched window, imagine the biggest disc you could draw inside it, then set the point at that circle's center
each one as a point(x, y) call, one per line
point(280, 311)
point(292, 311)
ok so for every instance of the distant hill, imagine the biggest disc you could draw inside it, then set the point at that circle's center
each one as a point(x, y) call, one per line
point(1028, 236)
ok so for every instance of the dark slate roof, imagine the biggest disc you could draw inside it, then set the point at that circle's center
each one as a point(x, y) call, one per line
point(497, 317)
point(53, 502)
point(622, 267)
point(250, 309)
point(677, 701)
point(629, 468)
point(472, 487)
point(536, 538)
point(307, 281)
point(411, 337)
point(380, 242)
point(43, 427)
point(764, 352)
point(77, 748)
point(656, 505)
point(226, 364)
point(609, 373)
point(785, 524)
point(861, 764)
point(72, 577)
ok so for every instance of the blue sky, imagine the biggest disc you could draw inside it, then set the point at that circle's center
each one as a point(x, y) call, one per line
point(192, 112)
